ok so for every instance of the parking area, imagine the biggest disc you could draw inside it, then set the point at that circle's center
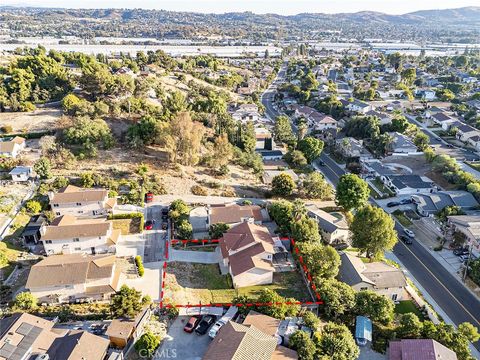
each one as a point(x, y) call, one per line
point(95, 327)
point(185, 346)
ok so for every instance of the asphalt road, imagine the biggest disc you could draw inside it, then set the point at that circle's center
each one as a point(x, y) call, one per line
point(155, 239)
point(454, 299)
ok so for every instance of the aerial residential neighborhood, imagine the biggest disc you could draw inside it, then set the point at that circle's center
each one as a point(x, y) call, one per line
point(240, 181)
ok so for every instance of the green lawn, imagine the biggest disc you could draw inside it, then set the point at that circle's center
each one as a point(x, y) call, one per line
point(408, 306)
point(402, 218)
point(380, 186)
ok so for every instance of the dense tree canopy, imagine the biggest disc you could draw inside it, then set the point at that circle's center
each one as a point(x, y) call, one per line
point(373, 231)
point(352, 192)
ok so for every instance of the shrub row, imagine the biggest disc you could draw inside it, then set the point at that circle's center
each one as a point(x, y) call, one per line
point(141, 269)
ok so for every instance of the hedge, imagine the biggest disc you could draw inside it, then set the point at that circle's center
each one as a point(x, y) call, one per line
point(138, 261)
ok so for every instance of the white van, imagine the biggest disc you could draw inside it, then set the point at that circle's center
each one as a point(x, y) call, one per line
point(229, 315)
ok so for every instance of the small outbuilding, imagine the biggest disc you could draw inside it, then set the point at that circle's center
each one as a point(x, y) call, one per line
point(363, 330)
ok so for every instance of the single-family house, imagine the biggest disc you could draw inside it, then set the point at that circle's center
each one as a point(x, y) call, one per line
point(333, 226)
point(424, 349)
point(401, 144)
point(74, 278)
point(80, 202)
point(247, 253)
point(233, 214)
point(465, 132)
point(255, 339)
point(246, 112)
point(268, 175)
point(474, 104)
point(379, 277)
point(359, 106)
point(425, 94)
point(121, 331)
point(68, 234)
point(430, 204)
point(22, 173)
point(26, 336)
point(384, 118)
point(271, 155)
point(350, 147)
point(443, 120)
point(322, 122)
point(409, 184)
point(12, 147)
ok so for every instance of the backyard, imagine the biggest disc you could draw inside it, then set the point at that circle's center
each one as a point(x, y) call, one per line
point(188, 283)
point(408, 306)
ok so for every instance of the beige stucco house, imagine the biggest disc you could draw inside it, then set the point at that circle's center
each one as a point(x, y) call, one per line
point(379, 277)
point(13, 147)
point(74, 277)
point(81, 202)
point(247, 252)
point(68, 234)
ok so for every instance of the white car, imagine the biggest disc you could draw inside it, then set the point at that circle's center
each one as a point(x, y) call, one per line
point(409, 233)
point(214, 329)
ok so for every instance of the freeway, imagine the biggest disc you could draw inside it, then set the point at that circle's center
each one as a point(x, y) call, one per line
point(456, 301)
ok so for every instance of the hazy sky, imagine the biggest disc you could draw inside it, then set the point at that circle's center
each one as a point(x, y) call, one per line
point(258, 6)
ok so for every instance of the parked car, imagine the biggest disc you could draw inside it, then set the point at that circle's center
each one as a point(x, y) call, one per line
point(406, 240)
point(191, 324)
point(409, 233)
point(464, 257)
point(321, 163)
point(164, 213)
point(149, 225)
point(406, 201)
point(461, 251)
point(393, 204)
point(229, 315)
point(204, 324)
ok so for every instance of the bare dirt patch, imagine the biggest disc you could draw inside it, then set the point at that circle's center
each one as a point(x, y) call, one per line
point(36, 121)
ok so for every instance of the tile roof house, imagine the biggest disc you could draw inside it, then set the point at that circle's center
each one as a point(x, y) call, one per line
point(233, 214)
point(430, 204)
point(379, 277)
point(12, 147)
point(421, 349)
point(334, 228)
point(81, 202)
point(25, 336)
point(247, 252)
point(68, 234)
point(253, 340)
point(68, 278)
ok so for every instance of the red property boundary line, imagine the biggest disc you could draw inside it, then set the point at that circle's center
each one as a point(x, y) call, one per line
point(206, 241)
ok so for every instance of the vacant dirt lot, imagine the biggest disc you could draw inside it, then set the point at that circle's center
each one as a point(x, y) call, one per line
point(38, 120)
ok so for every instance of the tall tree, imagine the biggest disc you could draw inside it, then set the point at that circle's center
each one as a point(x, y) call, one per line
point(315, 187)
point(377, 307)
point(305, 230)
point(321, 260)
point(283, 130)
point(283, 185)
point(126, 302)
point(352, 192)
point(335, 342)
point(311, 148)
point(373, 231)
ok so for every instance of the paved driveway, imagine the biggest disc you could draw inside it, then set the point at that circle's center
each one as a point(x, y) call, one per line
point(180, 345)
point(366, 353)
point(150, 282)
